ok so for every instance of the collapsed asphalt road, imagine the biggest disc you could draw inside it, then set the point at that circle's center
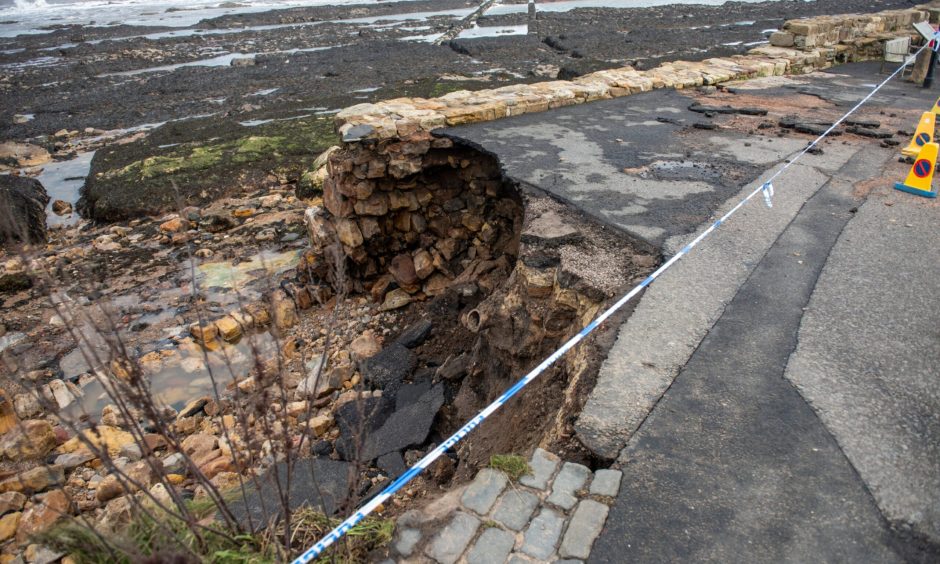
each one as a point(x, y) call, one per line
point(732, 448)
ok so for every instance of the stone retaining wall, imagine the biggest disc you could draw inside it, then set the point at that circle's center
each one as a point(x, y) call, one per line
point(847, 32)
point(416, 212)
point(411, 208)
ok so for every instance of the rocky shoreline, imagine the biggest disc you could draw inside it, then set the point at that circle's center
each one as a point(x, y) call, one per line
point(191, 276)
point(67, 88)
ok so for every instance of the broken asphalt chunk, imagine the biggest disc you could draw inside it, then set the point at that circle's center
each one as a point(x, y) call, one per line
point(747, 111)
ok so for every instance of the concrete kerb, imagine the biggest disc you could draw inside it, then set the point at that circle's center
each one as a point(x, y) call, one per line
point(649, 352)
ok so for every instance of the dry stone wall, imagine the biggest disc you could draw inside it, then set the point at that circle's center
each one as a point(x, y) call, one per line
point(412, 213)
point(412, 210)
point(849, 32)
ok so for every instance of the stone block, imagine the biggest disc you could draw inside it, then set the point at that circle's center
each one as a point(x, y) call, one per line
point(376, 204)
point(407, 540)
point(416, 147)
point(801, 27)
point(586, 524)
point(204, 332)
point(570, 479)
point(349, 233)
point(542, 535)
point(423, 264)
point(539, 283)
point(606, 483)
point(359, 190)
point(543, 464)
point(30, 439)
point(11, 501)
point(395, 299)
point(284, 312)
point(40, 517)
point(481, 494)
point(8, 525)
point(781, 39)
point(319, 227)
point(493, 546)
point(229, 329)
point(402, 200)
point(376, 169)
point(452, 540)
point(369, 227)
point(515, 508)
point(403, 269)
point(436, 285)
point(402, 221)
point(400, 168)
point(334, 202)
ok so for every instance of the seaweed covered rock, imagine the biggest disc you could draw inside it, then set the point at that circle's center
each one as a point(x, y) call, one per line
point(198, 162)
point(22, 210)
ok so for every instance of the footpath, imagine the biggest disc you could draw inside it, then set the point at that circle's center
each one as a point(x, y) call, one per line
point(804, 426)
point(775, 395)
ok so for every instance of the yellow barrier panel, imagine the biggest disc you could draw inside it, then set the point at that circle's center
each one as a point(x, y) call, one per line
point(923, 135)
point(920, 179)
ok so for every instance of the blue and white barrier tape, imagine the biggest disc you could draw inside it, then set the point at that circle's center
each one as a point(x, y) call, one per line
point(766, 188)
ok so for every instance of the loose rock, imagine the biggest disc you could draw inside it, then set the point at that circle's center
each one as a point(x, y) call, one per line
point(22, 155)
point(30, 440)
point(22, 209)
point(53, 507)
point(61, 207)
point(396, 299)
point(11, 501)
point(35, 480)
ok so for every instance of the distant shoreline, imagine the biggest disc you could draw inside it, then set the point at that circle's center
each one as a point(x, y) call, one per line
point(329, 57)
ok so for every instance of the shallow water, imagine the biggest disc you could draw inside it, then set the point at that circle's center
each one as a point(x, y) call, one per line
point(568, 5)
point(428, 38)
point(223, 60)
point(217, 61)
point(264, 92)
point(493, 31)
point(32, 63)
point(187, 377)
point(227, 276)
point(30, 16)
point(257, 122)
point(62, 181)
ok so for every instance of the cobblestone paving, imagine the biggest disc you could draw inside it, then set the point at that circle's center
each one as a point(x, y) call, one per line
point(553, 514)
